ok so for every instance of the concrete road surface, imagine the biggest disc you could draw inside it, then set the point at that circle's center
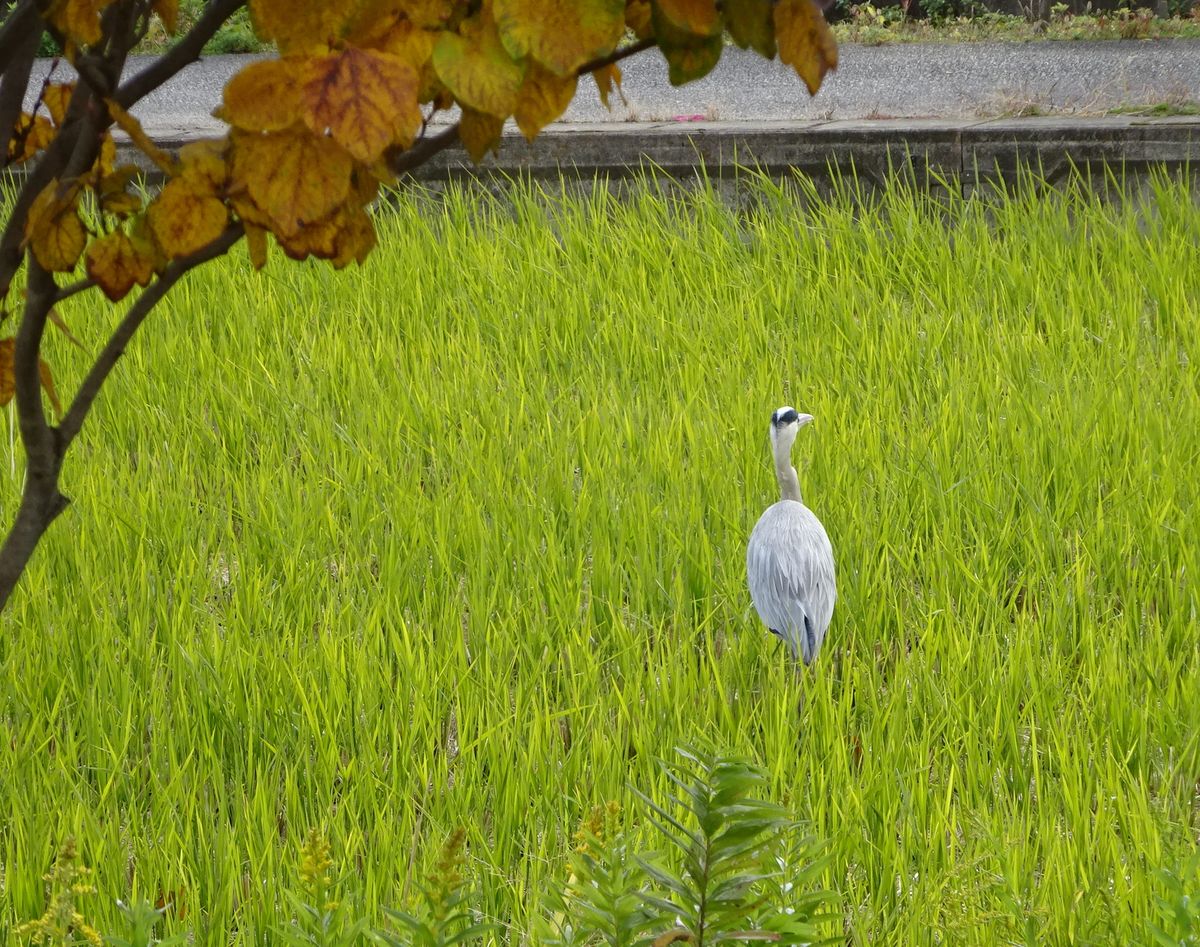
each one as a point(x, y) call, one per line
point(967, 80)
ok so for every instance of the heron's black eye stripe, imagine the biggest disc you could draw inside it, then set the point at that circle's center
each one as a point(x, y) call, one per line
point(775, 418)
point(789, 417)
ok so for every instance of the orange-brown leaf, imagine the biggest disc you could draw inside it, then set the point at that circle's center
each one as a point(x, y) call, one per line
point(479, 132)
point(676, 936)
point(477, 68)
point(805, 41)
point(168, 12)
point(544, 97)
point(56, 98)
point(256, 245)
point(697, 17)
point(8, 380)
point(367, 100)
point(54, 230)
point(114, 198)
point(429, 14)
point(79, 20)
point(185, 217)
point(116, 265)
point(264, 96)
point(293, 177)
point(47, 380)
point(638, 19)
point(560, 34)
point(31, 135)
point(608, 77)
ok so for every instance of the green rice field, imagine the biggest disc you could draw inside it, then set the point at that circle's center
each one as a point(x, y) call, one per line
point(457, 539)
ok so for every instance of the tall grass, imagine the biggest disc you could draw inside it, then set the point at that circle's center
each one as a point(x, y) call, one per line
point(457, 539)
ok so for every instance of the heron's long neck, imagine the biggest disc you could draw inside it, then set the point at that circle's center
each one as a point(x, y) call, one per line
point(789, 483)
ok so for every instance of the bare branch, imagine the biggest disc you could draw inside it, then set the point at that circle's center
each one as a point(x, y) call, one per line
point(72, 422)
point(183, 53)
point(409, 160)
point(18, 66)
point(423, 150)
point(616, 56)
point(21, 19)
point(71, 289)
point(35, 431)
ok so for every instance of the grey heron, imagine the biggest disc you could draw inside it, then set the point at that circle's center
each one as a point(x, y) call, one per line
point(789, 561)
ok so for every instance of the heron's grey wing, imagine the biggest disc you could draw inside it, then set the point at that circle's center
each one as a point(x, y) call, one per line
point(789, 565)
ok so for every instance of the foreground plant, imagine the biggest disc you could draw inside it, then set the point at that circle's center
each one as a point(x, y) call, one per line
point(313, 136)
point(141, 918)
point(445, 916)
point(63, 923)
point(734, 869)
point(322, 919)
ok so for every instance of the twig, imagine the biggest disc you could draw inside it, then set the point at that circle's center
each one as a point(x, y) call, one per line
point(35, 431)
point(21, 18)
point(18, 66)
point(426, 148)
point(183, 53)
point(73, 420)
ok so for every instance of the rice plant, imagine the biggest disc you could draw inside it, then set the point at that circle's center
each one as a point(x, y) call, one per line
point(457, 539)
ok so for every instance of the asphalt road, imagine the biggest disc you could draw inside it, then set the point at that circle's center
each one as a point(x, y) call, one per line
point(926, 80)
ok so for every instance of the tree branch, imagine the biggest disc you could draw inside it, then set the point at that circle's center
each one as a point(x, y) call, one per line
point(12, 32)
point(35, 431)
point(616, 56)
point(15, 79)
point(73, 420)
point(412, 158)
point(183, 53)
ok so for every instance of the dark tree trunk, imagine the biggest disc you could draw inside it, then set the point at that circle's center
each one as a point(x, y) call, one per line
point(40, 505)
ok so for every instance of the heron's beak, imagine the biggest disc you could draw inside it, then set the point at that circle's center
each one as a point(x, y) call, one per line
point(803, 419)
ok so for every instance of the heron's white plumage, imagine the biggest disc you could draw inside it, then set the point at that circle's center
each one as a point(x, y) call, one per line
point(789, 560)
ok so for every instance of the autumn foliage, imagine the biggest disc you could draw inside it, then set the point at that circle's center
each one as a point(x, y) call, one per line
point(313, 135)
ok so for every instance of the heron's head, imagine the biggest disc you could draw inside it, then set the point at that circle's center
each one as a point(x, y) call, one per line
point(785, 422)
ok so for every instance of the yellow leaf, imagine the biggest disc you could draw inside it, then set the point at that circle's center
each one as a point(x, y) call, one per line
point(697, 17)
point(293, 177)
point(114, 199)
point(168, 12)
point(8, 381)
point(677, 936)
point(805, 41)
point(106, 160)
point(480, 133)
point(413, 45)
point(133, 128)
point(608, 77)
point(56, 98)
point(57, 321)
point(476, 67)
point(429, 14)
point(308, 27)
point(367, 100)
point(185, 217)
point(205, 161)
point(31, 134)
point(544, 97)
point(79, 20)
point(54, 230)
point(256, 244)
point(116, 265)
point(560, 34)
point(751, 24)
point(264, 96)
point(48, 385)
point(689, 56)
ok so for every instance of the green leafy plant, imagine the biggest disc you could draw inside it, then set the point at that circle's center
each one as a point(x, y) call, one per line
point(1179, 908)
point(727, 859)
point(141, 918)
point(445, 917)
point(603, 900)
